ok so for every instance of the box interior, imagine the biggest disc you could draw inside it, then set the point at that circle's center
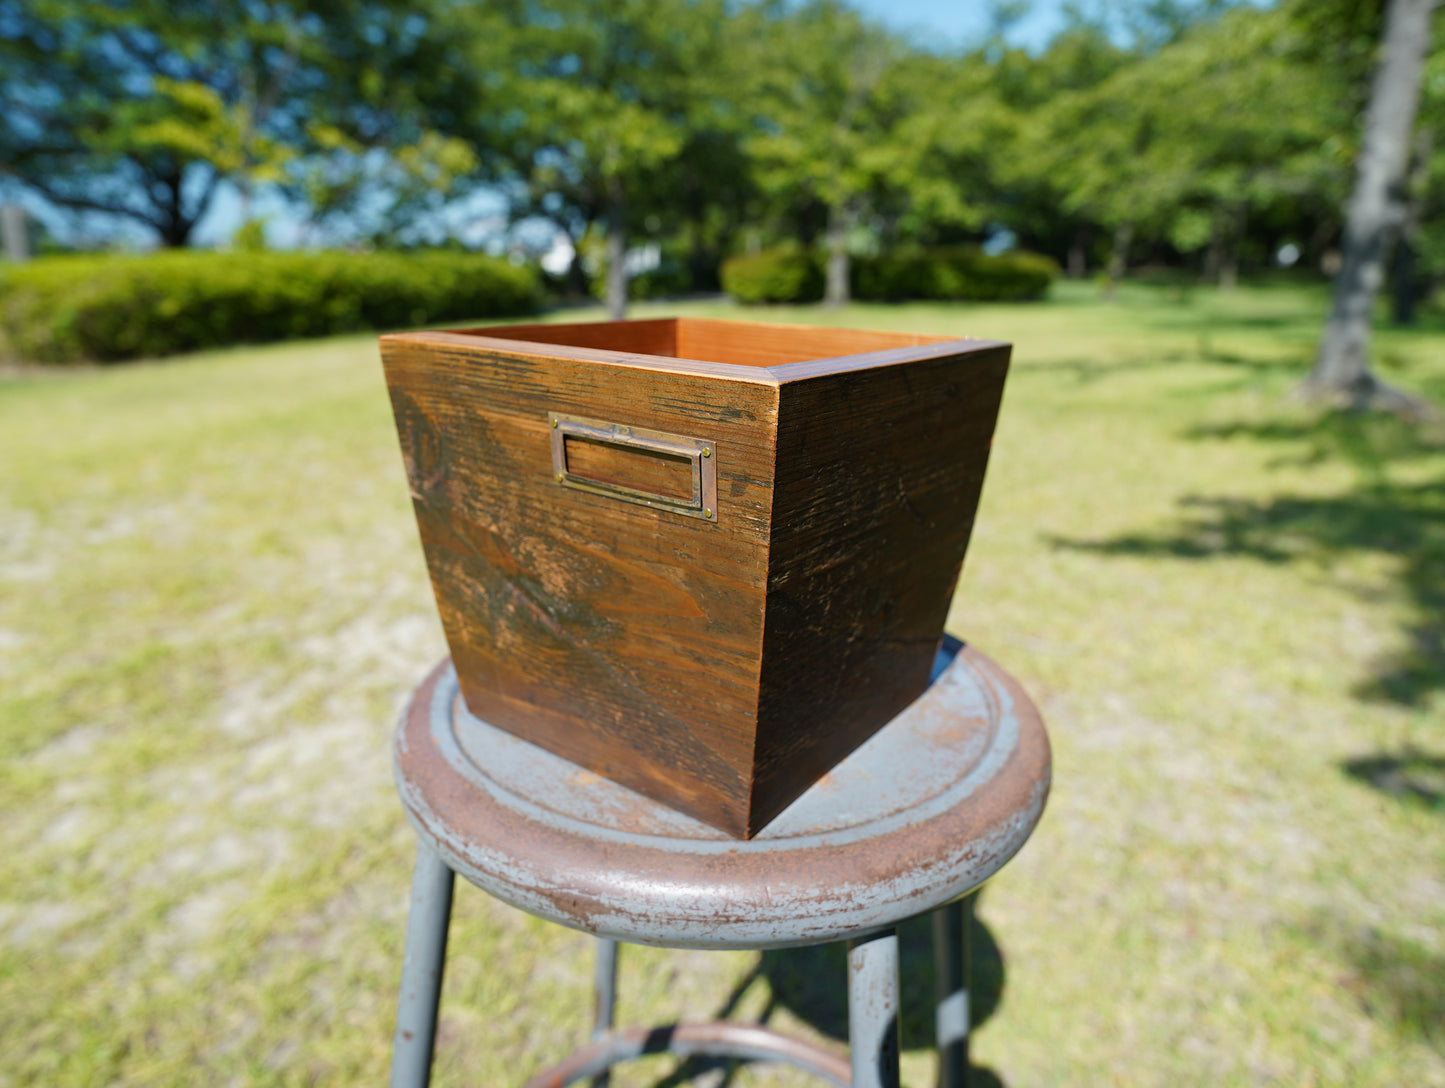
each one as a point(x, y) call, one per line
point(739, 343)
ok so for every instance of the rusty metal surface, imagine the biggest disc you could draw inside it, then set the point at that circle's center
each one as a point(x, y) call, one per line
point(421, 971)
point(717, 1039)
point(952, 972)
point(604, 996)
point(924, 812)
point(873, 1007)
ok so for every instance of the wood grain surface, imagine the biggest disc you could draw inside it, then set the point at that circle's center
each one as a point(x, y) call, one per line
point(719, 666)
point(878, 477)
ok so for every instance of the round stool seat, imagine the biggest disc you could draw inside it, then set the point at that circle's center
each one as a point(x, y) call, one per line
point(923, 812)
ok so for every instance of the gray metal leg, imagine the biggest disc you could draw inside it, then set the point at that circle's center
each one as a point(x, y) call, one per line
point(951, 925)
point(873, 1010)
point(605, 998)
point(421, 971)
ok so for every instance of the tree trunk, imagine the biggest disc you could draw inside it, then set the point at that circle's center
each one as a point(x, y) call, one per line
point(1229, 266)
point(175, 228)
point(616, 254)
point(1229, 270)
point(13, 233)
point(1342, 369)
point(577, 287)
point(1214, 252)
point(1403, 275)
point(836, 292)
point(244, 189)
point(1118, 258)
point(1077, 266)
point(699, 262)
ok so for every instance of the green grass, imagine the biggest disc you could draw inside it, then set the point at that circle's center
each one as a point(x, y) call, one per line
point(1231, 611)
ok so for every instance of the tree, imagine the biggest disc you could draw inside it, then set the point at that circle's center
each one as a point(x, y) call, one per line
point(140, 108)
point(1376, 209)
point(376, 196)
point(1217, 119)
point(832, 118)
point(1094, 144)
point(1026, 166)
point(609, 90)
point(1420, 250)
point(1254, 127)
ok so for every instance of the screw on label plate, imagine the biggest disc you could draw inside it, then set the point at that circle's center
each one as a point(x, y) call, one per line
point(707, 513)
point(560, 477)
point(554, 424)
point(706, 452)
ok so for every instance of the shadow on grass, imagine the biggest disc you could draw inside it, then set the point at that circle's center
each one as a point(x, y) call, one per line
point(1397, 981)
point(811, 983)
point(1371, 444)
point(1402, 983)
point(1405, 521)
point(1088, 371)
point(1411, 776)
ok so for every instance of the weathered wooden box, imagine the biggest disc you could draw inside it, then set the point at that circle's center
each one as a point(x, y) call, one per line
point(705, 559)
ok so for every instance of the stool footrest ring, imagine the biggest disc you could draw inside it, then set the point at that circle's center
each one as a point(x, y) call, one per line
point(718, 1038)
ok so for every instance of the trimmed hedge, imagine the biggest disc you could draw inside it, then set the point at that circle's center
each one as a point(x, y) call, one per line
point(668, 280)
point(944, 273)
point(961, 273)
point(774, 275)
point(104, 308)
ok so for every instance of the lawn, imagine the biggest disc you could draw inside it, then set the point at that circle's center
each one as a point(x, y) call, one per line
point(1230, 610)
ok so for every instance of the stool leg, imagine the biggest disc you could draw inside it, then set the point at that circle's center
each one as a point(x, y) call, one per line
point(605, 999)
point(421, 971)
point(951, 926)
point(873, 1009)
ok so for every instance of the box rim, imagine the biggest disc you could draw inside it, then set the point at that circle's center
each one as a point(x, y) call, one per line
point(777, 375)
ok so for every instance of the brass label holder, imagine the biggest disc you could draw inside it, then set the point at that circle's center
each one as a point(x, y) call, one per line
point(700, 454)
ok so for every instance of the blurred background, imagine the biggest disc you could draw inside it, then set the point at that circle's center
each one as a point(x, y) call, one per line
point(1212, 542)
point(652, 142)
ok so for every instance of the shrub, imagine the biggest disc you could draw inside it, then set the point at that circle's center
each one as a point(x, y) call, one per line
point(945, 273)
point(962, 273)
point(774, 275)
point(669, 279)
point(66, 309)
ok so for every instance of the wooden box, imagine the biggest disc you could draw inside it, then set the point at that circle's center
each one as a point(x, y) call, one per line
point(704, 559)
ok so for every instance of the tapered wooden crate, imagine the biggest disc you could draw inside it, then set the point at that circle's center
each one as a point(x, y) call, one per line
point(705, 559)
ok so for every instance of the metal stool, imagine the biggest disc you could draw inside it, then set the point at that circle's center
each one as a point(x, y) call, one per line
point(915, 819)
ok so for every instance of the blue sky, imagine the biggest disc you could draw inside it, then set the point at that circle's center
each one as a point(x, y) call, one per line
point(961, 22)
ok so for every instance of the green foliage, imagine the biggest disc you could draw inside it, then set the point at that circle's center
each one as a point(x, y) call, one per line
point(827, 91)
point(1232, 120)
point(620, 123)
point(939, 273)
point(774, 275)
point(1204, 133)
point(66, 309)
point(669, 279)
point(957, 273)
point(855, 129)
point(250, 236)
point(141, 108)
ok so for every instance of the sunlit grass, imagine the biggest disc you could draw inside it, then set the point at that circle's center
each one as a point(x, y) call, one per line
point(212, 604)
